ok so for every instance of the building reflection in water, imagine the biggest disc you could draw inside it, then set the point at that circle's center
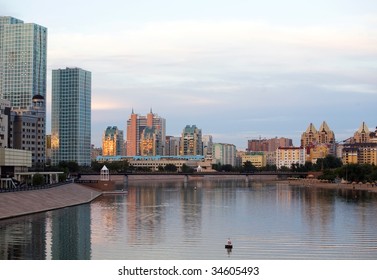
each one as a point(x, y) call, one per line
point(70, 237)
point(23, 238)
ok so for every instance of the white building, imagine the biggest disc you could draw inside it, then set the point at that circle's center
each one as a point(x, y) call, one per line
point(286, 156)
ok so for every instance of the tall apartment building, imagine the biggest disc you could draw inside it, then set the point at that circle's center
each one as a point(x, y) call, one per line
point(224, 154)
point(23, 66)
point(318, 143)
point(112, 142)
point(362, 148)
point(191, 141)
point(207, 145)
point(268, 145)
point(23, 55)
point(172, 145)
point(364, 135)
point(150, 142)
point(71, 116)
point(135, 127)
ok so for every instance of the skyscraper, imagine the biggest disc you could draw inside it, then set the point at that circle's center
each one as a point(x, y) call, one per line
point(112, 142)
point(23, 53)
point(191, 141)
point(71, 116)
point(136, 125)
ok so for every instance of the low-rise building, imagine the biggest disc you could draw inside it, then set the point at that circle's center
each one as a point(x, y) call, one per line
point(258, 159)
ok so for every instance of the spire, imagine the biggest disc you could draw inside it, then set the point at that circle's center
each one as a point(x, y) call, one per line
point(363, 128)
point(324, 127)
point(132, 111)
point(151, 111)
point(311, 128)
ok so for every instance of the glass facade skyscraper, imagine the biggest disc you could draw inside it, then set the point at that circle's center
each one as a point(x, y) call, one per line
point(71, 116)
point(23, 55)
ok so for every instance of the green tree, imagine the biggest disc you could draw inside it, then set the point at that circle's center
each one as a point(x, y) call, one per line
point(186, 169)
point(248, 167)
point(170, 167)
point(38, 179)
point(71, 166)
point(329, 175)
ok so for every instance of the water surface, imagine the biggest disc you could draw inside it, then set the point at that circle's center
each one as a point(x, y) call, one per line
point(173, 220)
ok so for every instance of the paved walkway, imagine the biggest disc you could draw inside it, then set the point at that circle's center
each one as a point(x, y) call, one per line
point(27, 202)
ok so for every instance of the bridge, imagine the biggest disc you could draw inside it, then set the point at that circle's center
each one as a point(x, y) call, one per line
point(124, 178)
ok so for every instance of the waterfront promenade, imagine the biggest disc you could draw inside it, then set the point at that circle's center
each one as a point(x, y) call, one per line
point(14, 204)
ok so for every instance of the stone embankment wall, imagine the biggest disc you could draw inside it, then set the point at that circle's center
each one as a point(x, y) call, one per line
point(19, 203)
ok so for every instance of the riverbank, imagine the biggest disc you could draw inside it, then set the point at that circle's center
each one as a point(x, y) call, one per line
point(20, 203)
point(313, 183)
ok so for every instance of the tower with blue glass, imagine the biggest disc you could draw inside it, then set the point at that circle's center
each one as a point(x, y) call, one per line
point(71, 116)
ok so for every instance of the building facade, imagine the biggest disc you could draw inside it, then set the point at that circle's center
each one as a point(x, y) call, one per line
point(4, 123)
point(258, 159)
point(23, 60)
point(27, 130)
point(71, 116)
point(135, 128)
point(23, 70)
point(112, 142)
point(224, 154)
point(268, 145)
point(318, 143)
point(191, 141)
point(361, 148)
point(172, 145)
point(286, 156)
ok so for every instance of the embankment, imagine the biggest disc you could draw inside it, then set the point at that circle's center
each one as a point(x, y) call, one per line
point(20, 203)
point(313, 183)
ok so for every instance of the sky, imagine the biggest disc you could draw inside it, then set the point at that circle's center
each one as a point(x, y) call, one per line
point(237, 69)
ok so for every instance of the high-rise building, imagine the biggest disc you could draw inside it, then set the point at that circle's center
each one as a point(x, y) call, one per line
point(23, 53)
point(71, 116)
point(191, 141)
point(362, 135)
point(207, 145)
point(362, 148)
point(312, 136)
point(224, 154)
point(135, 129)
point(172, 145)
point(23, 64)
point(318, 143)
point(112, 142)
point(268, 145)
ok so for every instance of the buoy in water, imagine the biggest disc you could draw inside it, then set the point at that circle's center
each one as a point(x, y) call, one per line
point(229, 244)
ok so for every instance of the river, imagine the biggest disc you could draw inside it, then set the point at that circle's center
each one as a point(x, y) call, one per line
point(174, 220)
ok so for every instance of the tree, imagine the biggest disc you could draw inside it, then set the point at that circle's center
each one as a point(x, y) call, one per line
point(248, 167)
point(186, 169)
point(71, 166)
point(38, 179)
point(328, 174)
point(170, 168)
